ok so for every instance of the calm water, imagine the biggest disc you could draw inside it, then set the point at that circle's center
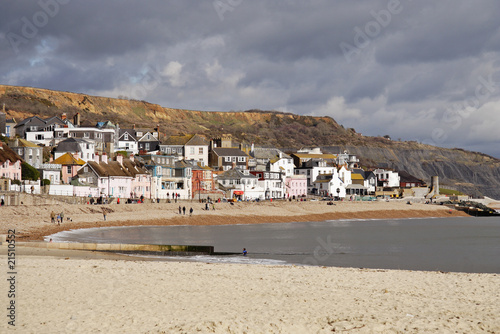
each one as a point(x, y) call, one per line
point(445, 244)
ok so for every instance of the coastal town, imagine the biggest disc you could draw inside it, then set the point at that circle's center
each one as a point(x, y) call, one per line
point(65, 156)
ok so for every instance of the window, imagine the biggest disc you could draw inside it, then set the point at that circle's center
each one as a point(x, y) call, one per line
point(125, 136)
point(191, 150)
point(167, 150)
point(147, 146)
point(200, 150)
point(227, 159)
point(69, 169)
point(241, 159)
point(86, 135)
point(234, 159)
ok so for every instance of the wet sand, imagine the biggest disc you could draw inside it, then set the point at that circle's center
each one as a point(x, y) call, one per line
point(33, 222)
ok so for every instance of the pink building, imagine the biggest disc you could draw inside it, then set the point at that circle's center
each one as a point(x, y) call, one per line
point(123, 178)
point(10, 163)
point(70, 166)
point(141, 182)
point(296, 185)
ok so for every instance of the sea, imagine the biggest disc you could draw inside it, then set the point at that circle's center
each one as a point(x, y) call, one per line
point(464, 244)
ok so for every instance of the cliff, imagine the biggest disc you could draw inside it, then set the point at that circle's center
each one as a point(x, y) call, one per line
point(471, 172)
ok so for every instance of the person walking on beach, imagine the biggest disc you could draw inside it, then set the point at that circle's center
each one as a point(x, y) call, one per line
point(190, 211)
point(62, 216)
point(245, 252)
point(180, 209)
point(52, 217)
point(59, 219)
point(184, 210)
point(104, 212)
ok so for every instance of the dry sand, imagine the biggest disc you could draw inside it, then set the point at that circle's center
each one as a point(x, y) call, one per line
point(75, 295)
point(87, 292)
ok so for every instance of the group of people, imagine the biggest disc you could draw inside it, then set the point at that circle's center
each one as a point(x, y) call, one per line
point(183, 210)
point(175, 196)
point(56, 218)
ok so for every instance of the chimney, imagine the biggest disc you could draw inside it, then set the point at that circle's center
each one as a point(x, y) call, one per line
point(156, 134)
point(133, 126)
point(131, 157)
point(76, 119)
point(104, 158)
point(96, 158)
point(63, 116)
point(119, 159)
point(76, 155)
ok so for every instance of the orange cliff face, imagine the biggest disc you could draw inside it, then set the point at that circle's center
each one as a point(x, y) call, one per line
point(23, 102)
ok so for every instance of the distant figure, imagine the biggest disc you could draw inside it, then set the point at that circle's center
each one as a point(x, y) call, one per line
point(118, 200)
point(59, 219)
point(50, 240)
point(104, 212)
point(180, 209)
point(206, 207)
point(213, 206)
point(52, 217)
point(62, 216)
point(2, 202)
point(32, 189)
point(184, 210)
point(245, 252)
point(191, 211)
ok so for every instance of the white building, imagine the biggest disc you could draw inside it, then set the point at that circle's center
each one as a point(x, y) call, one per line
point(330, 184)
point(347, 159)
point(127, 142)
point(84, 148)
point(312, 170)
point(387, 178)
point(44, 138)
point(282, 163)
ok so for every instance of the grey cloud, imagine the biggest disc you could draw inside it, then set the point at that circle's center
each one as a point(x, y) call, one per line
point(269, 55)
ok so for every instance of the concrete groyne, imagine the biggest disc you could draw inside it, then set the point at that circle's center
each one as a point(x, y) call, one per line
point(119, 248)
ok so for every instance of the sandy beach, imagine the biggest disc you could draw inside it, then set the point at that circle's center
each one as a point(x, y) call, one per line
point(62, 291)
point(78, 295)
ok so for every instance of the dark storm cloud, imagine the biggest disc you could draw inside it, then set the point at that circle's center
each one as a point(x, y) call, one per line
point(372, 65)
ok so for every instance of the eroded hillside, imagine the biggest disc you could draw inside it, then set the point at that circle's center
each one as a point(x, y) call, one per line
point(470, 172)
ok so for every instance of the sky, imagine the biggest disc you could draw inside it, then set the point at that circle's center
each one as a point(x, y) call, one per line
point(424, 70)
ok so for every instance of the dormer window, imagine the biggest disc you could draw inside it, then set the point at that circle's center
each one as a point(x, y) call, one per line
point(125, 136)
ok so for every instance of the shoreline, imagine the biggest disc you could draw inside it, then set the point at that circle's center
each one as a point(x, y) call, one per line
point(32, 223)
